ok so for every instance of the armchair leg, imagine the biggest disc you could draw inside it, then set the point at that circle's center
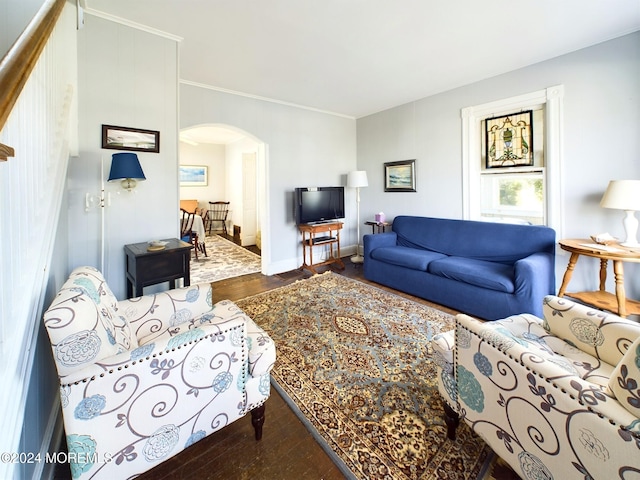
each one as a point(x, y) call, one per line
point(452, 419)
point(257, 420)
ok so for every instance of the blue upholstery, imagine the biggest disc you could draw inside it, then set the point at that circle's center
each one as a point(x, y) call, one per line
point(490, 270)
point(407, 257)
point(481, 273)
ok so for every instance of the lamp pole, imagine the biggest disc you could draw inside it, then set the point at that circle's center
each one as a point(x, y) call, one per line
point(357, 179)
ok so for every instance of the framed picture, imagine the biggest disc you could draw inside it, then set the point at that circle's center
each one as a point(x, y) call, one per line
point(400, 176)
point(136, 139)
point(194, 175)
point(509, 140)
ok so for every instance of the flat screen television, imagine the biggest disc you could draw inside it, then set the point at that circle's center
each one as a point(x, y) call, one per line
point(319, 204)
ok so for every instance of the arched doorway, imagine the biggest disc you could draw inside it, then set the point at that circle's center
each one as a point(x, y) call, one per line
point(237, 172)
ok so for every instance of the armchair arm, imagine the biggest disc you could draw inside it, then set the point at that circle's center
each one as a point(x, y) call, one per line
point(161, 346)
point(501, 363)
point(262, 349)
point(151, 315)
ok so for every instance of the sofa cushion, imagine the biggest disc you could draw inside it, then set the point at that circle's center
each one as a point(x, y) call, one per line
point(413, 258)
point(83, 323)
point(494, 276)
point(493, 242)
point(604, 335)
point(625, 379)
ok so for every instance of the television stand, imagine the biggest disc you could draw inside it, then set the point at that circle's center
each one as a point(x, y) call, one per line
point(320, 234)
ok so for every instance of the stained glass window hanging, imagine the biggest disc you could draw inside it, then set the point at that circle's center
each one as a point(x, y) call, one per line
point(509, 140)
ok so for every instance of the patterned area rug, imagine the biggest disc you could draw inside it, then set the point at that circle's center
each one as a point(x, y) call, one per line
point(225, 260)
point(356, 362)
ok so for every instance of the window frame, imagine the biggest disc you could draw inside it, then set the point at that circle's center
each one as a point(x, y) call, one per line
point(551, 99)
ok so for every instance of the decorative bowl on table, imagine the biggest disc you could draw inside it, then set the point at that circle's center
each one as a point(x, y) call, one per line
point(155, 245)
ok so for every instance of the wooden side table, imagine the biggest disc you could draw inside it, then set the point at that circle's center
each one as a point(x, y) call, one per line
point(378, 227)
point(320, 234)
point(144, 267)
point(617, 303)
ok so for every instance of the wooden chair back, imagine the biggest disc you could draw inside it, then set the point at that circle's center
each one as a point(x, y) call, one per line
point(186, 224)
point(218, 212)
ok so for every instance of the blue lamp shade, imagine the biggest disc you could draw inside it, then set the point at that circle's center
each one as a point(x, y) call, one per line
point(126, 167)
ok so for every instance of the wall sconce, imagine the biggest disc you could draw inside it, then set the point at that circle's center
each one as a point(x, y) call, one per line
point(126, 167)
point(624, 195)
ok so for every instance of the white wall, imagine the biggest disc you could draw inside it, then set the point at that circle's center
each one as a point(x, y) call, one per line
point(213, 156)
point(601, 142)
point(305, 148)
point(234, 179)
point(14, 17)
point(127, 77)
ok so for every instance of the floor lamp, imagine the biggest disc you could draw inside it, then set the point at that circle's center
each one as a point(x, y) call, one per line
point(357, 179)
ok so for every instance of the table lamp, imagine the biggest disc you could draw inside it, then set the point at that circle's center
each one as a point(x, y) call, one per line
point(126, 167)
point(357, 179)
point(624, 195)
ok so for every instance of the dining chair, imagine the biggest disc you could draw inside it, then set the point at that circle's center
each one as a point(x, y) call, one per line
point(218, 212)
point(188, 235)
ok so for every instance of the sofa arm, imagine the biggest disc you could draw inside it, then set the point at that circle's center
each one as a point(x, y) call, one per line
point(535, 278)
point(373, 241)
point(151, 315)
point(165, 397)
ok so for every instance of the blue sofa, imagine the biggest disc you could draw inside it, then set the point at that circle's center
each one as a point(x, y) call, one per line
point(489, 270)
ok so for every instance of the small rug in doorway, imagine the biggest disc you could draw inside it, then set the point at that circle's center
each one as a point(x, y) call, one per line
point(355, 363)
point(225, 260)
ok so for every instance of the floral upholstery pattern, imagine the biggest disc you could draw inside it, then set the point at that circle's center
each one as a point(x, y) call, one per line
point(158, 373)
point(542, 393)
point(625, 380)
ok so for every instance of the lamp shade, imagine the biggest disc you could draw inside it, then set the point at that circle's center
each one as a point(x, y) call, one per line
point(622, 195)
point(357, 178)
point(125, 165)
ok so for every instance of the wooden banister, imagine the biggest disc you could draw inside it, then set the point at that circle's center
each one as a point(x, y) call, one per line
point(18, 63)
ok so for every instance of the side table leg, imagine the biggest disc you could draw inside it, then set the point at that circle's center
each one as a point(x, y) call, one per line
point(568, 274)
point(603, 273)
point(620, 294)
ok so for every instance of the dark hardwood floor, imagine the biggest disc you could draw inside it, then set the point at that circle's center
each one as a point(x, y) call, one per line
point(287, 449)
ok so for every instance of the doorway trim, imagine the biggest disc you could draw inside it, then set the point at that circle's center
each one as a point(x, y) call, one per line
point(262, 182)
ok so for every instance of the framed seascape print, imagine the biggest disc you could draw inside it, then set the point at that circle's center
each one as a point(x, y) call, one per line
point(193, 175)
point(400, 176)
point(136, 139)
point(509, 140)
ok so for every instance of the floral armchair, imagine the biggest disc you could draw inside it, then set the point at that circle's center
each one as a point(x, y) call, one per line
point(557, 397)
point(143, 379)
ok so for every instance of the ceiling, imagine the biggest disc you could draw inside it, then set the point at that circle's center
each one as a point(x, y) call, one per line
point(357, 57)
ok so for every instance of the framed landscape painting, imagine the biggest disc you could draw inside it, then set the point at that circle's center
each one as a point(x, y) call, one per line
point(400, 176)
point(125, 138)
point(193, 175)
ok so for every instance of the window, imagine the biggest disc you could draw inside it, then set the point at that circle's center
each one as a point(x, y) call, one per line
point(513, 190)
point(528, 192)
point(513, 197)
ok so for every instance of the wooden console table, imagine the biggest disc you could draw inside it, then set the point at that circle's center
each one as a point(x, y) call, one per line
point(320, 234)
point(144, 267)
point(617, 303)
